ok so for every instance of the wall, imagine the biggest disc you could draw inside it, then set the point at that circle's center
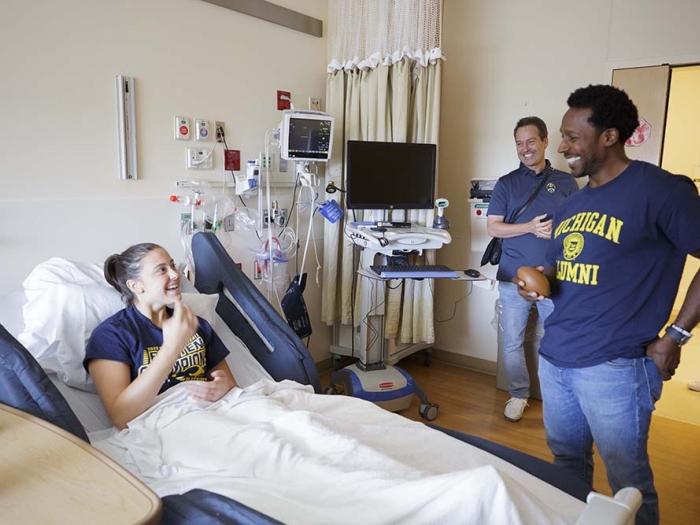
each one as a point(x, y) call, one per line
point(506, 60)
point(61, 195)
point(681, 152)
point(58, 171)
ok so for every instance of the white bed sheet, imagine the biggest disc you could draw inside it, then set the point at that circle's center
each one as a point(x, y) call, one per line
point(306, 458)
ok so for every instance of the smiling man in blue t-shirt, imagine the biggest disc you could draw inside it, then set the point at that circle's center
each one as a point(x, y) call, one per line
point(615, 263)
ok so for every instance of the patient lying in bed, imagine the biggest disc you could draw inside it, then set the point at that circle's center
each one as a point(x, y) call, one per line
point(154, 343)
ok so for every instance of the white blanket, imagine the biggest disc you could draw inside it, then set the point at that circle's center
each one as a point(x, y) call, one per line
point(305, 458)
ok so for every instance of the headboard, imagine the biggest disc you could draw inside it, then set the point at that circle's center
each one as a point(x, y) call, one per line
point(249, 314)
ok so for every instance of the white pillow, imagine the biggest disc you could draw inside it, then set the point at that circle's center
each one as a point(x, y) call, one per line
point(66, 301)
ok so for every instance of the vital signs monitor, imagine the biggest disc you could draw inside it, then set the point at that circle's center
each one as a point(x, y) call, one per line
point(306, 136)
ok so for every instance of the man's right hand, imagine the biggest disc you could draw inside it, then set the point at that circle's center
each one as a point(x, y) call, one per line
point(541, 228)
point(529, 296)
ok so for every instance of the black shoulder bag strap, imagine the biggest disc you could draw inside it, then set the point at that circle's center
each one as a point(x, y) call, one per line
point(532, 197)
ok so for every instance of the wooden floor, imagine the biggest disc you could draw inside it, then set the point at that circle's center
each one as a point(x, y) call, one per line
point(469, 402)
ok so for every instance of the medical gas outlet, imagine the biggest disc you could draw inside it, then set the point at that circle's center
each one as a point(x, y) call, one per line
point(279, 216)
point(265, 161)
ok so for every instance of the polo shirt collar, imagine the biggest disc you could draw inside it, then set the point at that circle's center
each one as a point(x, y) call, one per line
point(527, 171)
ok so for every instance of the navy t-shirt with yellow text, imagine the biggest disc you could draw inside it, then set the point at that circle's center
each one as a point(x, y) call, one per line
point(130, 337)
point(619, 251)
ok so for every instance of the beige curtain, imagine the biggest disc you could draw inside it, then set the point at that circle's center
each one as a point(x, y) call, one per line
point(397, 103)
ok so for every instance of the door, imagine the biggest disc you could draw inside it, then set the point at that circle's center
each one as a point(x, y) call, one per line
point(648, 87)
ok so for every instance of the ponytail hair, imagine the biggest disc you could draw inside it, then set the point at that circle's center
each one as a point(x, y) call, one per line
point(120, 268)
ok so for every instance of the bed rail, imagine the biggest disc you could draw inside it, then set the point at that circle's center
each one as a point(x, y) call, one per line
point(250, 315)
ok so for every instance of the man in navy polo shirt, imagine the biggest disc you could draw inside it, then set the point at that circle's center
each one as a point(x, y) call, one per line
point(525, 243)
point(615, 262)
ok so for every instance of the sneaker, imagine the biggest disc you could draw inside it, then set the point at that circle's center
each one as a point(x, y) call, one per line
point(515, 408)
point(694, 385)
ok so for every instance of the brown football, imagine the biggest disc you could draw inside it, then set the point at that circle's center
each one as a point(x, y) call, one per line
point(534, 280)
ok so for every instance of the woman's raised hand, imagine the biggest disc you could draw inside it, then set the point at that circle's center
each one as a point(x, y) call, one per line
point(179, 329)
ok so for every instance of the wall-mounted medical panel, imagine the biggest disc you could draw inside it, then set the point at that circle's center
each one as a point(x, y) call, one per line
point(126, 127)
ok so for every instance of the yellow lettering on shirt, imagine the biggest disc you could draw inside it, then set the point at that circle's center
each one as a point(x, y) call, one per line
point(609, 228)
point(578, 273)
point(190, 366)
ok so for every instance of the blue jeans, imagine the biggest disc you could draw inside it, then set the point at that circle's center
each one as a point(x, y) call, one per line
point(609, 404)
point(514, 314)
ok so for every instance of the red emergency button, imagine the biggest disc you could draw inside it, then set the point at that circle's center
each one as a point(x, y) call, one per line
point(184, 130)
point(479, 212)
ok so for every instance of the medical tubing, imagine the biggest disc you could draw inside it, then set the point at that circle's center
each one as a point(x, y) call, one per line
point(261, 219)
point(313, 236)
point(309, 230)
point(296, 219)
point(186, 247)
point(269, 208)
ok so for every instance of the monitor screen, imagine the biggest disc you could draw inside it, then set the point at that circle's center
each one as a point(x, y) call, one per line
point(306, 136)
point(386, 175)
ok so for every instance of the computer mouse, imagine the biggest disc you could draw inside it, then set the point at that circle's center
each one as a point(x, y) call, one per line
point(472, 273)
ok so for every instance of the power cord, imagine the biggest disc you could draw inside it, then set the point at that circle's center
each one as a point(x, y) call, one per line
point(205, 158)
point(454, 308)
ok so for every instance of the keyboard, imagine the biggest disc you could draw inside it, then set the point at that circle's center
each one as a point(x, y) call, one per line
point(382, 224)
point(411, 271)
point(393, 224)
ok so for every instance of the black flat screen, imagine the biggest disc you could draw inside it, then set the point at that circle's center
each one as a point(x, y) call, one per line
point(390, 175)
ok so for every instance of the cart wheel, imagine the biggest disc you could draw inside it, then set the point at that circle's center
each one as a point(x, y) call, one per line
point(428, 411)
point(335, 389)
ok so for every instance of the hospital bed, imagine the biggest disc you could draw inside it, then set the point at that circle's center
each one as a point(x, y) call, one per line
point(442, 475)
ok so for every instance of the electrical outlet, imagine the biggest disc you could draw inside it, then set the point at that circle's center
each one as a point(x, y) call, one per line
point(279, 217)
point(220, 127)
point(265, 161)
point(257, 271)
point(314, 104)
point(284, 103)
